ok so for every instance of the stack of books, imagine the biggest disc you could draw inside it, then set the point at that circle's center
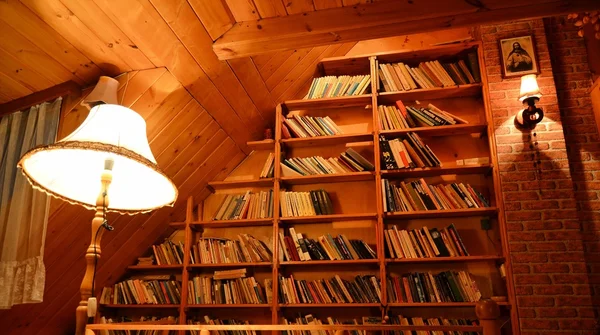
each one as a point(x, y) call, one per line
point(295, 247)
point(363, 289)
point(268, 169)
point(207, 290)
point(139, 291)
point(448, 286)
point(424, 243)
point(348, 162)
point(149, 320)
point(405, 117)
point(418, 196)
point(332, 86)
point(246, 249)
point(211, 321)
point(408, 151)
point(316, 202)
point(145, 261)
point(419, 321)
point(168, 253)
point(308, 126)
point(246, 206)
point(309, 319)
point(432, 74)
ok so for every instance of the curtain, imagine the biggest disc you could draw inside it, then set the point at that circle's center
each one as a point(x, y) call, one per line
point(23, 210)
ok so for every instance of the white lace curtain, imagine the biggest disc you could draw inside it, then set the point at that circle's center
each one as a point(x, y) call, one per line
point(23, 210)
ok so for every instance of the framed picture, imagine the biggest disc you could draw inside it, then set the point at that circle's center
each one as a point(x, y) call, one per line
point(518, 57)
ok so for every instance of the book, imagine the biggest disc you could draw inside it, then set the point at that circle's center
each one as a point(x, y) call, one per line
point(215, 321)
point(427, 243)
point(245, 249)
point(431, 321)
point(307, 126)
point(268, 170)
point(142, 320)
point(324, 247)
point(447, 286)
point(208, 290)
point(249, 205)
point(315, 202)
point(166, 253)
point(139, 291)
point(406, 151)
point(332, 86)
point(361, 289)
point(347, 162)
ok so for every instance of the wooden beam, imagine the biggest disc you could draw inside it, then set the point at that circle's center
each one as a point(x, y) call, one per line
point(48, 94)
point(380, 19)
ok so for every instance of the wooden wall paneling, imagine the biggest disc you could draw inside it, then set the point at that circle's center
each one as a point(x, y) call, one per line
point(248, 75)
point(33, 57)
point(310, 59)
point(42, 35)
point(110, 34)
point(270, 8)
point(61, 19)
point(12, 89)
point(185, 24)
point(298, 6)
point(40, 97)
point(151, 33)
point(183, 118)
point(274, 63)
point(243, 10)
point(215, 16)
point(325, 4)
point(262, 59)
point(136, 85)
point(293, 60)
point(20, 72)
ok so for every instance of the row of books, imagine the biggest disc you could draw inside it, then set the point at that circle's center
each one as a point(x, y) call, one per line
point(315, 202)
point(424, 243)
point(167, 253)
point(212, 250)
point(397, 77)
point(332, 86)
point(363, 289)
point(309, 126)
point(144, 320)
point(407, 151)
point(138, 291)
point(207, 290)
point(419, 321)
point(249, 205)
point(295, 247)
point(309, 319)
point(405, 117)
point(419, 196)
point(268, 170)
point(447, 286)
point(347, 162)
point(212, 321)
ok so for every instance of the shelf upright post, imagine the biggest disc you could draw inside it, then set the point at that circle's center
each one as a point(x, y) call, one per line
point(276, 187)
point(187, 244)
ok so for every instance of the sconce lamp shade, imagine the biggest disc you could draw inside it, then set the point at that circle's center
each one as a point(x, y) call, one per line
point(71, 168)
point(529, 87)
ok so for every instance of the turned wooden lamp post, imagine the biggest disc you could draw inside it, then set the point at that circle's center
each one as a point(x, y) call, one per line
point(108, 154)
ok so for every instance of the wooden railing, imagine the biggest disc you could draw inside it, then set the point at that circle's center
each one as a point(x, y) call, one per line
point(487, 311)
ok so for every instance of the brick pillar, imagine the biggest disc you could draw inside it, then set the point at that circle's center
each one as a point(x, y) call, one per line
point(546, 244)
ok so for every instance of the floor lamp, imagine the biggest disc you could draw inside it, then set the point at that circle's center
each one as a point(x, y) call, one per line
point(107, 155)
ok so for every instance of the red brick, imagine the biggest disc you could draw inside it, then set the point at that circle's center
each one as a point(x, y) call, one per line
point(542, 225)
point(576, 301)
point(547, 246)
point(570, 278)
point(557, 312)
point(523, 290)
point(526, 236)
point(527, 313)
point(566, 257)
point(552, 289)
point(545, 204)
point(563, 235)
point(534, 301)
point(521, 268)
point(522, 216)
point(532, 279)
point(579, 324)
point(539, 324)
point(550, 268)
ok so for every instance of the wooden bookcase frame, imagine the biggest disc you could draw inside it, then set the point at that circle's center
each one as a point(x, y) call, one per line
point(196, 220)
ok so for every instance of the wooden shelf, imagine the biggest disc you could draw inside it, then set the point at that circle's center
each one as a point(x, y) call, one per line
point(138, 306)
point(429, 172)
point(329, 218)
point(338, 102)
point(328, 262)
point(261, 145)
point(456, 129)
point(155, 267)
point(328, 305)
point(459, 259)
point(218, 185)
point(439, 304)
point(470, 90)
point(326, 140)
point(228, 305)
point(329, 178)
point(229, 265)
point(233, 223)
point(450, 213)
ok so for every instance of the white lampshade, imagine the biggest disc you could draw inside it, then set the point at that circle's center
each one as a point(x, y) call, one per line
point(529, 87)
point(71, 168)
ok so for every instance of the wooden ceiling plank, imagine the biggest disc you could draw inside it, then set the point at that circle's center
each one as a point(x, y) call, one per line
point(326, 4)
point(274, 63)
point(351, 2)
point(13, 89)
point(32, 56)
point(248, 75)
point(41, 34)
point(136, 86)
point(286, 67)
point(307, 63)
point(215, 16)
point(185, 24)
point(298, 6)
point(270, 8)
point(380, 19)
point(189, 116)
point(243, 10)
point(39, 97)
point(109, 33)
point(262, 59)
point(61, 19)
point(144, 25)
point(22, 73)
point(167, 111)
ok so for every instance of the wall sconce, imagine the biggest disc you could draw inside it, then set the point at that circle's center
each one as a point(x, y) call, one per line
point(529, 95)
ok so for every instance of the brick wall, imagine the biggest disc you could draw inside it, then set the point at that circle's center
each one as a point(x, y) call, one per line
point(544, 228)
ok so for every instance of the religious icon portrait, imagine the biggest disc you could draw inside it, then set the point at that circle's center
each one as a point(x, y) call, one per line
point(518, 57)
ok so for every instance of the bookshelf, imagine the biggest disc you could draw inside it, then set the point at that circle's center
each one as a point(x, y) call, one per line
point(357, 200)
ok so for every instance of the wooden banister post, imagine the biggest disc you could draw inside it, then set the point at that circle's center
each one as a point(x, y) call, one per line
point(488, 312)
